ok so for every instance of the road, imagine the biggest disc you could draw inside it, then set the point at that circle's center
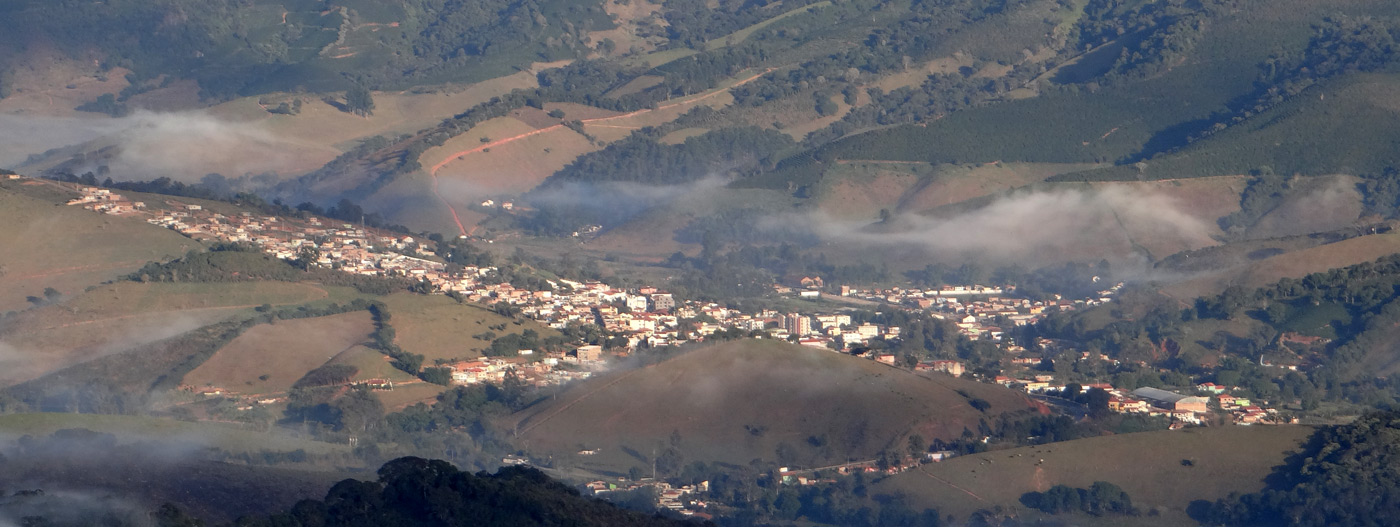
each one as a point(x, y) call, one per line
point(1075, 410)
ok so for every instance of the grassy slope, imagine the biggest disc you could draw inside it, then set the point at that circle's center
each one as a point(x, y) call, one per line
point(67, 248)
point(284, 352)
point(711, 394)
point(440, 328)
point(1146, 465)
point(123, 315)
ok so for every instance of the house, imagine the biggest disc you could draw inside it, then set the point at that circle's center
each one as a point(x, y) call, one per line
point(811, 282)
point(885, 358)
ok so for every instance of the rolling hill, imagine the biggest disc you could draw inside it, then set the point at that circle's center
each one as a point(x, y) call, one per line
point(738, 401)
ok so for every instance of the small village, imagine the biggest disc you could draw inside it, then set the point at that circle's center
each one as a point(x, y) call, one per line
point(651, 317)
point(647, 316)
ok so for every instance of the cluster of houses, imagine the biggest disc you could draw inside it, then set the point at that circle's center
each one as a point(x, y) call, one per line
point(105, 201)
point(980, 312)
point(647, 315)
point(543, 372)
point(667, 497)
point(1182, 409)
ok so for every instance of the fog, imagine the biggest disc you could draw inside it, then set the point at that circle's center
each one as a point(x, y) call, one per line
point(1026, 228)
point(179, 145)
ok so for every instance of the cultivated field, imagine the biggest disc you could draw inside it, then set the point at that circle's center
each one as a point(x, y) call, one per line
point(1148, 466)
point(733, 402)
point(268, 358)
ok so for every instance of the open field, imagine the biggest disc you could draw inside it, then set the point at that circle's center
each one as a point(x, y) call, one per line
point(123, 315)
point(439, 328)
point(512, 168)
point(736, 401)
point(281, 352)
point(68, 248)
point(1148, 466)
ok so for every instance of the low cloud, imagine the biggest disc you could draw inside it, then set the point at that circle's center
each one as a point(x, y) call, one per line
point(1027, 228)
point(179, 145)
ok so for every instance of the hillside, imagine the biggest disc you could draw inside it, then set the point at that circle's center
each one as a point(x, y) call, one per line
point(1150, 466)
point(737, 401)
point(68, 248)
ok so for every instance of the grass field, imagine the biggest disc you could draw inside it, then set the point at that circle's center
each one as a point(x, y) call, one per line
point(736, 401)
point(1148, 466)
point(282, 352)
point(47, 244)
point(124, 315)
point(439, 328)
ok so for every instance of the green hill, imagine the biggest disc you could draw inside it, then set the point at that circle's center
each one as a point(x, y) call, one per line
point(753, 399)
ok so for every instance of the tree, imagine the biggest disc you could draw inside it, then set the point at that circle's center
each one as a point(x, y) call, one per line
point(359, 101)
point(307, 256)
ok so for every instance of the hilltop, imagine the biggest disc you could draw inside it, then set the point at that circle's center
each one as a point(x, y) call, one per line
point(753, 399)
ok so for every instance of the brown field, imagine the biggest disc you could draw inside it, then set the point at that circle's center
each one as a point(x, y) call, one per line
point(781, 392)
point(1293, 264)
point(578, 111)
point(498, 129)
point(47, 244)
point(957, 183)
point(1146, 465)
point(123, 315)
point(440, 328)
point(515, 167)
point(862, 195)
point(404, 395)
point(323, 126)
point(41, 83)
point(283, 352)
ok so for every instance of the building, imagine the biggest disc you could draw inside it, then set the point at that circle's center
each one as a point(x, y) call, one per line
point(950, 367)
point(589, 353)
point(662, 302)
point(1172, 400)
point(798, 324)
